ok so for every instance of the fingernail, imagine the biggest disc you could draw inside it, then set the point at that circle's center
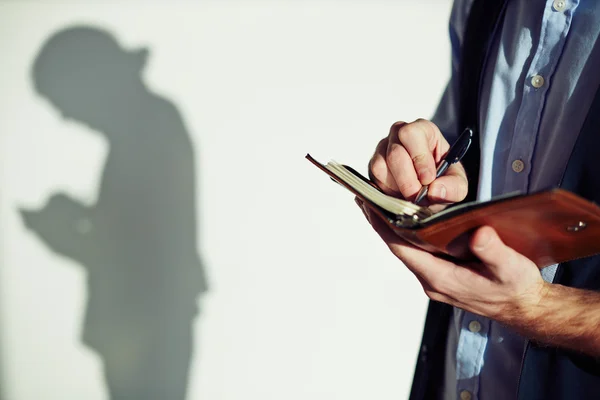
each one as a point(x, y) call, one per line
point(439, 192)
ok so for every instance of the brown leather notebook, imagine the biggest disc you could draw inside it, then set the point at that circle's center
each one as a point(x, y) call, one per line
point(548, 227)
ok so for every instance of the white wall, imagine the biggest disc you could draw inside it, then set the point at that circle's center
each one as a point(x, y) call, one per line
point(305, 302)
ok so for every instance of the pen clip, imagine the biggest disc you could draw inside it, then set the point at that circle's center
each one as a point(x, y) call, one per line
point(463, 151)
point(462, 145)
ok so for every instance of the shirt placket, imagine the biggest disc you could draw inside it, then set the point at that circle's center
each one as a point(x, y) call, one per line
point(556, 21)
point(469, 355)
point(555, 26)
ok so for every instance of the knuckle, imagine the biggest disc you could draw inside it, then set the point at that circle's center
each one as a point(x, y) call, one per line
point(425, 122)
point(408, 131)
point(397, 125)
point(394, 153)
point(419, 133)
point(419, 159)
point(382, 145)
point(429, 128)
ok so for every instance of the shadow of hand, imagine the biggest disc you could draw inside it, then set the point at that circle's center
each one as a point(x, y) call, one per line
point(63, 224)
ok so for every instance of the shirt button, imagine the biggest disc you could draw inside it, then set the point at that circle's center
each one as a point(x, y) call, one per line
point(474, 326)
point(518, 166)
point(537, 81)
point(559, 5)
point(465, 395)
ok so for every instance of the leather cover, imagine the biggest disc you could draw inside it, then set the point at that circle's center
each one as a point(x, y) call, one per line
point(547, 227)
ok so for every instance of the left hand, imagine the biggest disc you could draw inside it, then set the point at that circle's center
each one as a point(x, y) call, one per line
point(505, 286)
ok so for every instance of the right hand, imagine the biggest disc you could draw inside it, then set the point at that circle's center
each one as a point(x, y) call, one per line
point(406, 160)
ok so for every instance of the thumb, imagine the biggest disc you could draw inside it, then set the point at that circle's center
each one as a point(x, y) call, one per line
point(489, 248)
point(451, 187)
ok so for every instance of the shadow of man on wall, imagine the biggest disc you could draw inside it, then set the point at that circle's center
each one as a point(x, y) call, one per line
point(138, 243)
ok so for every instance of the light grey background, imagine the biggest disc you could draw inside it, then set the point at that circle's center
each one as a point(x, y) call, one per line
point(304, 302)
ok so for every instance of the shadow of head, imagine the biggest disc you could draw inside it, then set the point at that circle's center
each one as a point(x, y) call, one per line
point(86, 74)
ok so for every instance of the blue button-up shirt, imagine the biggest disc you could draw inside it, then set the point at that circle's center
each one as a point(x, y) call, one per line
point(541, 77)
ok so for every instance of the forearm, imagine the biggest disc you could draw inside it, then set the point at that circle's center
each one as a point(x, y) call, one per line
point(564, 317)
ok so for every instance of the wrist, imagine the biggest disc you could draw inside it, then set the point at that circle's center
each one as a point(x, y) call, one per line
point(528, 308)
point(538, 303)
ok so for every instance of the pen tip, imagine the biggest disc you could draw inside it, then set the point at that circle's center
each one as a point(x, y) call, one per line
point(422, 193)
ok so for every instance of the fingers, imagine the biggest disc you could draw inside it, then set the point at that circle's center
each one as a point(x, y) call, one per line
point(451, 187)
point(418, 139)
point(379, 172)
point(428, 268)
point(441, 280)
point(402, 168)
point(406, 160)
